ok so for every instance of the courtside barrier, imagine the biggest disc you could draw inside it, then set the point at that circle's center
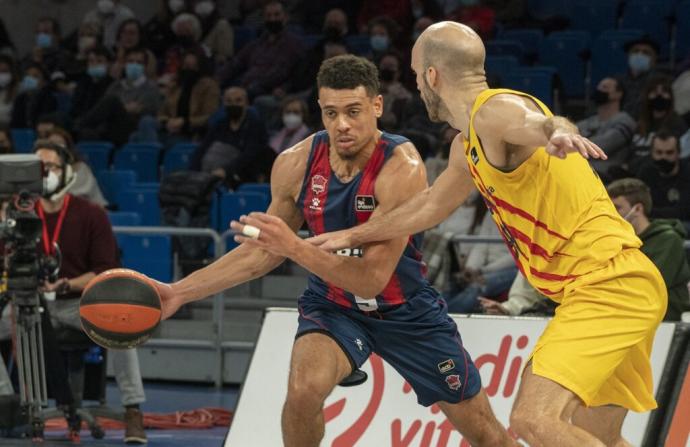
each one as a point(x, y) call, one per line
point(383, 411)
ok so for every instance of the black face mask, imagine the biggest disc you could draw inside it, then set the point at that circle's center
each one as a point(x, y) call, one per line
point(187, 76)
point(600, 97)
point(274, 26)
point(185, 41)
point(234, 112)
point(664, 166)
point(332, 33)
point(660, 104)
point(387, 75)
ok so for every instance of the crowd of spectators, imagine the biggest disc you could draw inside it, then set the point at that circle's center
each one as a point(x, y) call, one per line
point(244, 90)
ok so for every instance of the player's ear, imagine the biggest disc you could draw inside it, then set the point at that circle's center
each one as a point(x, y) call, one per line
point(378, 106)
point(431, 76)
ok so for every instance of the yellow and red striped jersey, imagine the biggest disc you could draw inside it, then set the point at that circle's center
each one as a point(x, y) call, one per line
point(555, 215)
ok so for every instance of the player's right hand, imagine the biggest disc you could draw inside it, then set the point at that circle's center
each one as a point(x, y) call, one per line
point(333, 241)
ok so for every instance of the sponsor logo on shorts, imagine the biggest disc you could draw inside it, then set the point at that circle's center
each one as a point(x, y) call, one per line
point(318, 184)
point(446, 366)
point(359, 343)
point(365, 203)
point(315, 204)
point(453, 382)
point(474, 155)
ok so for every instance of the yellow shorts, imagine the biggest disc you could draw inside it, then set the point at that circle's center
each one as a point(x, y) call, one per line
point(599, 342)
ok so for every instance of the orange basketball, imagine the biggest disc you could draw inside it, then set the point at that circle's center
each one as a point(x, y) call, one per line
point(120, 309)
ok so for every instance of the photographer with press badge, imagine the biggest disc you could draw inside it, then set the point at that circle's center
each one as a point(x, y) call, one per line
point(78, 235)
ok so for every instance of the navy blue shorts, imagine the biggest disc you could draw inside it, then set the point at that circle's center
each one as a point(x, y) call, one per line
point(417, 338)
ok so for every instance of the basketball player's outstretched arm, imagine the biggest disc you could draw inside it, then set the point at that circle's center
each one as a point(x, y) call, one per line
point(401, 177)
point(245, 263)
point(426, 209)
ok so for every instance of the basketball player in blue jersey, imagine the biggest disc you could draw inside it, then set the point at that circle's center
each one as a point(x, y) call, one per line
point(373, 298)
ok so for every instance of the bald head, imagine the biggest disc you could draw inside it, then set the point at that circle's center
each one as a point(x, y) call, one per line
point(454, 49)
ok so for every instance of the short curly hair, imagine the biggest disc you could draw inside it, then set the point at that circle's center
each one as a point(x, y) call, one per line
point(348, 72)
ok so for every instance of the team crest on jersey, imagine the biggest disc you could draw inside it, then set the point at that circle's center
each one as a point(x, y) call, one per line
point(453, 382)
point(474, 155)
point(365, 203)
point(318, 184)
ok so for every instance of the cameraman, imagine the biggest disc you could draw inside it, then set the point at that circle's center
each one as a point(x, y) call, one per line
point(88, 247)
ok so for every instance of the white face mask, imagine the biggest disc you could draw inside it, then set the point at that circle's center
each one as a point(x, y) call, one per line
point(106, 6)
point(292, 120)
point(5, 79)
point(51, 183)
point(204, 8)
point(628, 214)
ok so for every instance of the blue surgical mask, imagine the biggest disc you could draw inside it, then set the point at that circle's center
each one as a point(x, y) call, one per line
point(29, 83)
point(44, 40)
point(97, 71)
point(639, 63)
point(134, 71)
point(379, 43)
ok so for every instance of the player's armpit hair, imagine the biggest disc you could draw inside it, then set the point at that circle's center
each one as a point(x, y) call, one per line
point(554, 123)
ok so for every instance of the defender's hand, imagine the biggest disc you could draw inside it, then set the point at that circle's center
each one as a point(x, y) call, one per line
point(561, 144)
point(274, 235)
point(334, 241)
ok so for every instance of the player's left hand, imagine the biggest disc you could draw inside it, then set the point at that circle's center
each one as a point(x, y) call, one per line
point(275, 236)
point(561, 144)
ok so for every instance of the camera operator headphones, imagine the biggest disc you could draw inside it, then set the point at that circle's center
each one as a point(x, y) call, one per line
point(69, 177)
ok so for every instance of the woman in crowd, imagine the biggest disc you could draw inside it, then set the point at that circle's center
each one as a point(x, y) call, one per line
point(294, 130)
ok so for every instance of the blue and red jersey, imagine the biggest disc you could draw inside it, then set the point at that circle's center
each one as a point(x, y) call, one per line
point(330, 205)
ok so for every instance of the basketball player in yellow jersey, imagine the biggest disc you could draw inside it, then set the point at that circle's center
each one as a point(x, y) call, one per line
point(591, 365)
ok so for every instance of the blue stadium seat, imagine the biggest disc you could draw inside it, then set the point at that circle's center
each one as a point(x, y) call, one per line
point(177, 157)
point(261, 188)
point(545, 9)
point(594, 16)
point(653, 17)
point(23, 140)
point(537, 81)
point(358, 44)
point(142, 200)
point(497, 66)
point(243, 35)
point(96, 154)
point(530, 38)
point(682, 30)
point(140, 157)
point(124, 218)
point(501, 47)
point(112, 182)
point(565, 51)
point(608, 53)
point(232, 205)
point(148, 254)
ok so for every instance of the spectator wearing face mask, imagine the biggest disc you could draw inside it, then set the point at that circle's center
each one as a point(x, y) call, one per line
point(656, 111)
point(35, 98)
point(158, 31)
point(610, 128)
point(109, 14)
point(92, 85)
point(89, 36)
point(130, 36)
point(123, 105)
point(265, 65)
point(668, 177)
point(395, 95)
point(383, 33)
point(190, 101)
point(642, 57)
point(186, 28)
point(662, 240)
point(236, 148)
point(216, 33)
point(47, 51)
point(294, 129)
point(8, 88)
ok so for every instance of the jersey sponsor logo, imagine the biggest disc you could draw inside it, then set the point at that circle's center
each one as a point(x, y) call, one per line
point(446, 366)
point(474, 155)
point(318, 184)
point(365, 203)
point(453, 382)
point(315, 204)
point(355, 252)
